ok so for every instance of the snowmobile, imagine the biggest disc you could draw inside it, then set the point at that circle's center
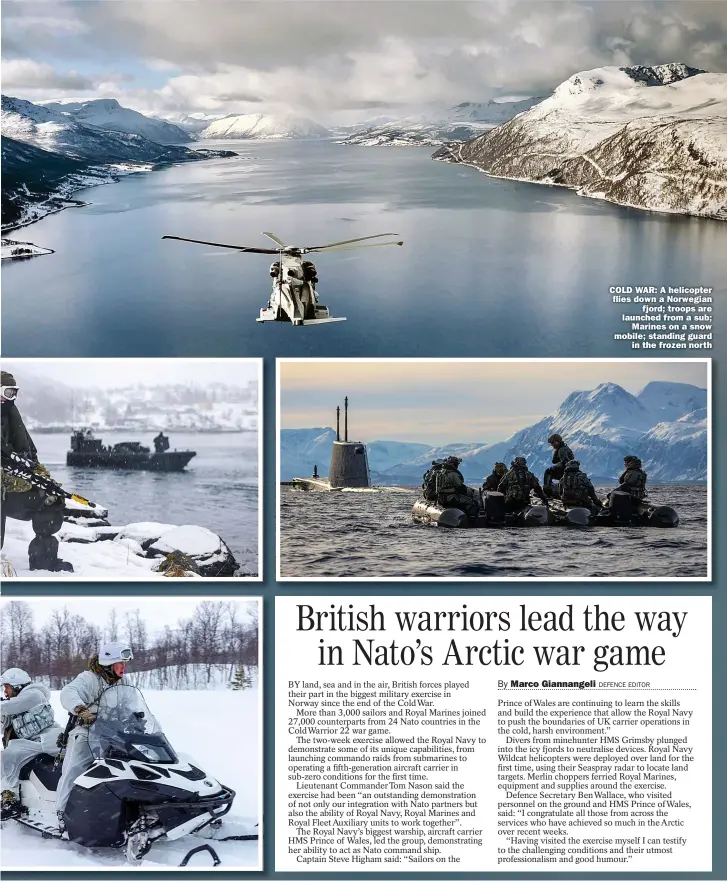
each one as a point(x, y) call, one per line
point(622, 511)
point(136, 792)
point(294, 297)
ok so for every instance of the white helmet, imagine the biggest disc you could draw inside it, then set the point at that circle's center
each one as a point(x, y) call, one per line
point(15, 677)
point(111, 653)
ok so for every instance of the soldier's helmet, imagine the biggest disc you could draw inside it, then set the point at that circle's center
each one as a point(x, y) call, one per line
point(500, 468)
point(632, 460)
point(573, 464)
point(520, 462)
point(454, 460)
point(555, 439)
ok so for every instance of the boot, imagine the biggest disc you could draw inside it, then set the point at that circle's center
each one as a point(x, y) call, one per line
point(43, 555)
point(10, 806)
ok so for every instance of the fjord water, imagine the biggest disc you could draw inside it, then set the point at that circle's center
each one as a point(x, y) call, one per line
point(218, 489)
point(369, 534)
point(489, 267)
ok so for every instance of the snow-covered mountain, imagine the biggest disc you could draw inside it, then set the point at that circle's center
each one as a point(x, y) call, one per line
point(459, 123)
point(193, 123)
point(264, 126)
point(665, 424)
point(107, 113)
point(47, 154)
point(646, 137)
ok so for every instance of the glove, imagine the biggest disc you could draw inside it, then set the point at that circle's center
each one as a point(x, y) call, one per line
point(41, 470)
point(85, 716)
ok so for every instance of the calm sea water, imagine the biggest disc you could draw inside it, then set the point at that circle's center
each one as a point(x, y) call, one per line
point(366, 534)
point(217, 490)
point(510, 269)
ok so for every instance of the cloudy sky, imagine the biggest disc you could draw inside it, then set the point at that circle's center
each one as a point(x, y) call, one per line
point(111, 373)
point(444, 402)
point(339, 60)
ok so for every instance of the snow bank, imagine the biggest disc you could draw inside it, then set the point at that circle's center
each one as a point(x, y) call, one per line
point(99, 550)
point(192, 721)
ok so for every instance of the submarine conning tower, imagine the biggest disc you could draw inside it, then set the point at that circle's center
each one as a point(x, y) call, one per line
point(349, 460)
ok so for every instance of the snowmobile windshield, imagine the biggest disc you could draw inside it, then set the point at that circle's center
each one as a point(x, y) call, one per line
point(125, 729)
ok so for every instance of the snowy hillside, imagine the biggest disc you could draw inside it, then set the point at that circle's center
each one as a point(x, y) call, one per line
point(48, 154)
point(107, 113)
point(193, 123)
point(264, 126)
point(665, 424)
point(182, 407)
point(459, 123)
point(191, 735)
point(647, 137)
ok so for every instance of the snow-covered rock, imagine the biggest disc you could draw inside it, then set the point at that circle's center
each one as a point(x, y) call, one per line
point(459, 123)
point(647, 137)
point(13, 250)
point(98, 549)
point(263, 126)
point(107, 113)
point(665, 424)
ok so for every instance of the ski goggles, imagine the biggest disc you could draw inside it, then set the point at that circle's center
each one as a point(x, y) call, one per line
point(10, 393)
point(125, 655)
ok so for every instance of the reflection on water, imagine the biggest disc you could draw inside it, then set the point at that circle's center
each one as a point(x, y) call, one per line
point(489, 267)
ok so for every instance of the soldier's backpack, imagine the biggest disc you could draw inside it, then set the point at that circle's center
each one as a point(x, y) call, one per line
point(519, 484)
point(573, 485)
point(429, 486)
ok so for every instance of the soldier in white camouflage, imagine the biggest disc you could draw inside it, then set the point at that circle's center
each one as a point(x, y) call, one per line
point(20, 499)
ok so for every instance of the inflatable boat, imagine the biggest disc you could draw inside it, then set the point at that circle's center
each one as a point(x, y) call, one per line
point(622, 511)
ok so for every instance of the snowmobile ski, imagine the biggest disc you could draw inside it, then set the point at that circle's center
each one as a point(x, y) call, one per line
point(197, 850)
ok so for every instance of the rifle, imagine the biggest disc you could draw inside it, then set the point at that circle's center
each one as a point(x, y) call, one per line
point(20, 467)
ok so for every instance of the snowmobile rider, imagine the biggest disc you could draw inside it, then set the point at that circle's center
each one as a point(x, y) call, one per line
point(29, 729)
point(492, 482)
point(20, 499)
point(429, 481)
point(517, 485)
point(452, 492)
point(161, 443)
point(633, 479)
point(575, 488)
point(562, 454)
point(80, 698)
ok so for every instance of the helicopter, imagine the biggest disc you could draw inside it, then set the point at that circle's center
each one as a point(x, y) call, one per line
point(294, 297)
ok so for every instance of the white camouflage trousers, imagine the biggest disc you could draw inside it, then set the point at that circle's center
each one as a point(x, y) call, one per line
point(21, 750)
point(77, 760)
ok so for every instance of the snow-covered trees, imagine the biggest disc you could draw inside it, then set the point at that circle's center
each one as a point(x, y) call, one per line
point(216, 646)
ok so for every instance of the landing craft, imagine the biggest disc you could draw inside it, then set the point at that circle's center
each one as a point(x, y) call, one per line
point(294, 297)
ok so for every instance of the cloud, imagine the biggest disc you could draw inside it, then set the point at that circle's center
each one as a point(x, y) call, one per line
point(25, 74)
point(321, 58)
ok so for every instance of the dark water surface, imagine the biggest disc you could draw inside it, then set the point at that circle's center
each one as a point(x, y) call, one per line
point(513, 269)
point(369, 533)
point(218, 490)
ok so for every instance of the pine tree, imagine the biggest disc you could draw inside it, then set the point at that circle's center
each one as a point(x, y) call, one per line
point(240, 679)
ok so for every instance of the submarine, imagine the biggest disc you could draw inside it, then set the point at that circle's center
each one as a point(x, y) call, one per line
point(623, 511)
point(349, 466)
point(89, 452)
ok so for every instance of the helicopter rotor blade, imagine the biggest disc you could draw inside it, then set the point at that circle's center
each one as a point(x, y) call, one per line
point(348, 241)
point(275, 239)
point(222, 245)
point(352, 247)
